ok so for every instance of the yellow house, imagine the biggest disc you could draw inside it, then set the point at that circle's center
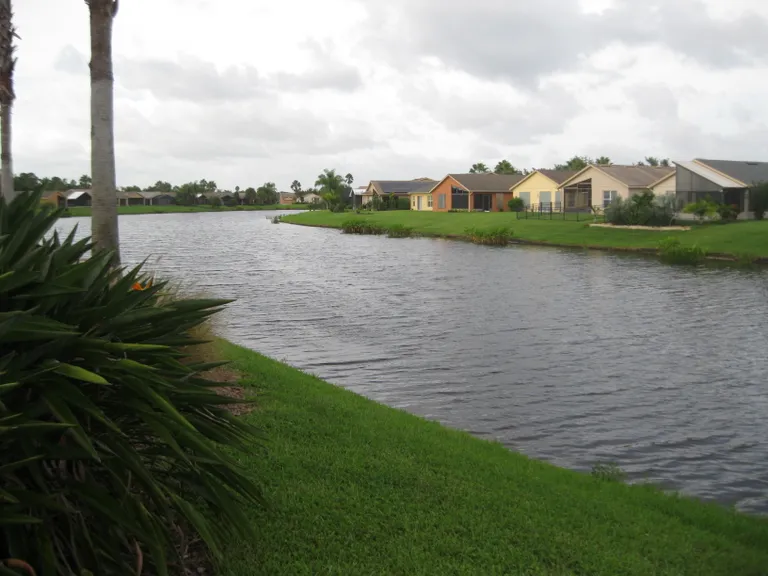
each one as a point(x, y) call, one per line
point(541, 188)
point(421, 201)
point(598, 186)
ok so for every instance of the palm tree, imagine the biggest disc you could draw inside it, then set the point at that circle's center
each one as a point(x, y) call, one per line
point(103, 191)
point(349, 179)
point(603, 161)
point(7, 96)
point(331, 186)
point(479, 168)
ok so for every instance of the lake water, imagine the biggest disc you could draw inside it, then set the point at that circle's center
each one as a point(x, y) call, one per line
point(568, 356)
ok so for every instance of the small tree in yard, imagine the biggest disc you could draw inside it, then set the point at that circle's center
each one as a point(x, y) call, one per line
point(516, 205)
point(758, 200)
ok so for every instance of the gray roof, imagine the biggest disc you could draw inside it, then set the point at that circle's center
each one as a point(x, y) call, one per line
point(385, 187)
point(150, 195)
point(558, 176)
point(637, 176)
point(487, 182)
point(747, 173)
point(75, 194)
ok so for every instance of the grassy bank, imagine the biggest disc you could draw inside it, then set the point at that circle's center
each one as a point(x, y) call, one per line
point(86, 210)
point(741, 239)
point(359, 488)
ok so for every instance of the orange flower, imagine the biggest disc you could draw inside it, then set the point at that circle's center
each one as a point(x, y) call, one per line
point(138, 286)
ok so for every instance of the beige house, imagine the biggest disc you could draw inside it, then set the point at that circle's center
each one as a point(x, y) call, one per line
point(541, 189)
point(598, 186)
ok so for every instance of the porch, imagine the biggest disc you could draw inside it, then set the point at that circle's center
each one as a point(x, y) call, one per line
point(578, 197)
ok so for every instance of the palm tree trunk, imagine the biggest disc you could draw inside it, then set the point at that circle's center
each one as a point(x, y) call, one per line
point(7, 95)
point(103, 188)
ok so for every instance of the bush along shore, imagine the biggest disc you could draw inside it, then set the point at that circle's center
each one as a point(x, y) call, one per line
point(355, 487)
point(75, 211)
point(742, 242)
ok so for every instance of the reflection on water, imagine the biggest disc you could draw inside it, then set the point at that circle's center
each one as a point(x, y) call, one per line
point(569, 356)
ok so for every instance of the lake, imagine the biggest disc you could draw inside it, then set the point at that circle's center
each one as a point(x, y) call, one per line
point(568, 356)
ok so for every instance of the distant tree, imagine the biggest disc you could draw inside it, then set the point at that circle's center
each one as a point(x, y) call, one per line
point(505, 167)
point(758, 200)
point(250, 195)
point(479, 168)
point(298, 192)
point(160, 186)
point(267, 194)
point(665, 162)
point(237, 189)
point(331, 187)
point(576, 163)
point(237, 196)
point(651, 161)
point(131, 188)
point(603, 161)
point(7, 96)
point(349, 179)
point(85, 181)
point(215, 200)
point(27, 182)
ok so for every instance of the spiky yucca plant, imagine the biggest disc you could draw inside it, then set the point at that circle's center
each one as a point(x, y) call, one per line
point(107, 436)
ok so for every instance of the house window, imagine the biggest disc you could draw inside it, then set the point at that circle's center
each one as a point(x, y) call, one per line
point(413, 202)
point(459, 199)
point(608, 197)
point(441, 201)
point(429, 201)
point(526, 198)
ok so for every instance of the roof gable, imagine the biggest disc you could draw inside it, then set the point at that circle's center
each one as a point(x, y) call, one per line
point(557, 177)
point(629, 176)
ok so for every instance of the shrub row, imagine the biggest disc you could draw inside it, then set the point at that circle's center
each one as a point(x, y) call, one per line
point(363, 226)
point(672, 251)
point(643, 209)
point(497, 236)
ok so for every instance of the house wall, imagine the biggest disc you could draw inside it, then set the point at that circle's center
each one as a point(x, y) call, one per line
point(444, 188)
point(668, 186)
point(600, 183)
point(536, 184)
point(425, 198)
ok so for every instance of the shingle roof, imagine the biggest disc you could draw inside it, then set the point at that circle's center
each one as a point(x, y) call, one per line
point(559, 176)
point(747, 172)
point(150, 195)
point(75, 194)
point(385, 187)
point(637, 176)
point(487, 182)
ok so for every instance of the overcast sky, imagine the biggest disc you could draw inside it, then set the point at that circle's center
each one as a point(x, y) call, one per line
point(248, 91)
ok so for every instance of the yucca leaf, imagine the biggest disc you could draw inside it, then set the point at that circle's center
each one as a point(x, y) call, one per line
point(12, 466)
point(14, 279)
point(7, 519)
point(64, 414)
point(78, 373)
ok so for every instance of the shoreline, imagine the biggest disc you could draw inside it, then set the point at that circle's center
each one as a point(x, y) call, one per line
point(357, 487)
point(640, 250)
point(85, 211)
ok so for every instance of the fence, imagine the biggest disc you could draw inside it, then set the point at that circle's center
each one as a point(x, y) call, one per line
point(555, 211)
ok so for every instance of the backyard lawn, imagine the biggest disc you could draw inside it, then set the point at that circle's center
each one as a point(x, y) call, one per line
point(740, 239)
point(355, 487)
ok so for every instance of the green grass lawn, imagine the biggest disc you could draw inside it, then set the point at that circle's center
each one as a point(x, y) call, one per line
point(748, 238)
point(357, 488)
point(86, 210)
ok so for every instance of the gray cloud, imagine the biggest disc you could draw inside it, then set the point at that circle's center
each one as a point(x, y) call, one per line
point(525, 41)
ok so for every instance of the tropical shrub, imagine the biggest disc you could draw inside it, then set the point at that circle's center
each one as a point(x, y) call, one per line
point(643, 209)
point(727, 212)
point(361, 226)
point(498, 236)
point(399, 231)
point(108, 440)
point(758, 200)
point(672, 251)
point(705, 208)
point(516, 205)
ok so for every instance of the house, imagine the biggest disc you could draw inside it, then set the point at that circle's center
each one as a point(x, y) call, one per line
point(78, 198)
point(725, 181)
point(599, 185)
point(203, 198)
point(398, 188)
point(57, 199)
point(421, 200)
point(159, 198)
point(229, 198)
point(540, 190)
point(130, 198)
point(485, 192)
point(287, 198)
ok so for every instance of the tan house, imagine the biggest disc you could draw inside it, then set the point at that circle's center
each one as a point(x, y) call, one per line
point(287, 198)
point(598, 186)
point(398, 188)
point(540, 190)
point(481, 192)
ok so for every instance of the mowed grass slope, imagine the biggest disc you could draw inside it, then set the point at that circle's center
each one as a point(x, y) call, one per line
point(357, 488)
point(749, 238)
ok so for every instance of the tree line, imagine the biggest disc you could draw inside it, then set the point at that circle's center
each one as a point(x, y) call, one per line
point(576, 163)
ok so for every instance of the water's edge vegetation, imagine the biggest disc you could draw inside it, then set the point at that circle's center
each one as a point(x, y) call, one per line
point(742, 242)
point(356, 487)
